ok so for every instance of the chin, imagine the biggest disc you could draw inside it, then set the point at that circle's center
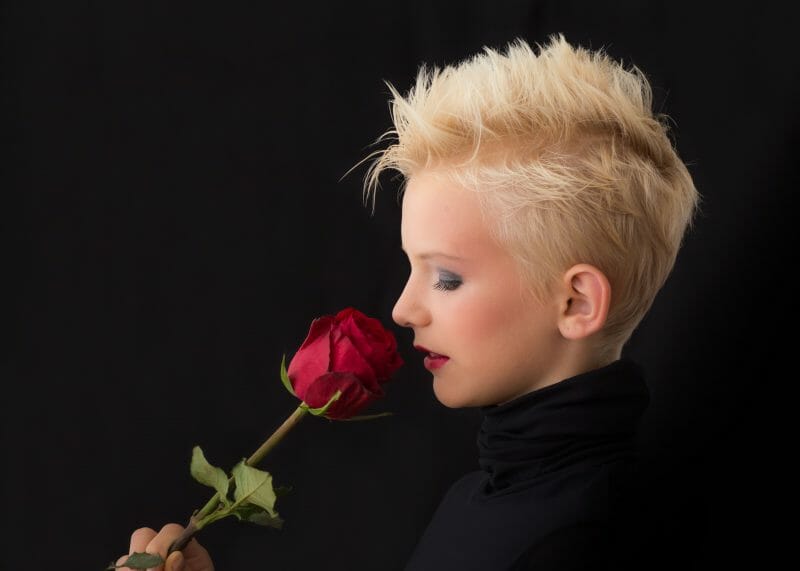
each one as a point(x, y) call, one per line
point(451, 398)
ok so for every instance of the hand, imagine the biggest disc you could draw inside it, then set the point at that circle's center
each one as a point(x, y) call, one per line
point(194, 556)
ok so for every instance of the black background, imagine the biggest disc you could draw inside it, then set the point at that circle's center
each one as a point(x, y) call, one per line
point(176, 213)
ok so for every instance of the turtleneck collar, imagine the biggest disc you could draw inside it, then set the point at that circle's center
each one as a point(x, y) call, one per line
point(588, 419)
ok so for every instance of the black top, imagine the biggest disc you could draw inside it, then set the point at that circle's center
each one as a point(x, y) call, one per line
point(556, 485)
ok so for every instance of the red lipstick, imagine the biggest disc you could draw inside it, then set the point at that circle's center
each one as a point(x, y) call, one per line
point(432, 360)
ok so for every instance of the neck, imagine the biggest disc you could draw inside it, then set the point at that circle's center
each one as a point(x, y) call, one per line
point(574, 357)
point(587, 419)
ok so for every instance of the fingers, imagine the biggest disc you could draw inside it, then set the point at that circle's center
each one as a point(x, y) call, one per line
point(140, 538)
point(161, 542)
point(146, 540)
point(197, 557)
point(174, 562)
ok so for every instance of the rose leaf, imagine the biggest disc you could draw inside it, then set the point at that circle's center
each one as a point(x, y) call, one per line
point(140, 561)
point(369, 416)
point(254, 486)
point(209, 475)
point(257, 515)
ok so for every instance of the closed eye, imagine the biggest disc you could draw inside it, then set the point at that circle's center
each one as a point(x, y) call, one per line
point(447, 282)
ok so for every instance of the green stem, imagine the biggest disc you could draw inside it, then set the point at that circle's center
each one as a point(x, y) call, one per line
point(254, 459)
point(277, 436)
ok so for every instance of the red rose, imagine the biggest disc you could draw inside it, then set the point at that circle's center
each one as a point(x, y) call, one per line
point(349, 352)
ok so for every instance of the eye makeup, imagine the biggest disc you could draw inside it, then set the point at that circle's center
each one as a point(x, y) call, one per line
point(447, 281)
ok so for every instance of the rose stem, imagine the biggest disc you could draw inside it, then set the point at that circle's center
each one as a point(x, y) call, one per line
point(256, 457)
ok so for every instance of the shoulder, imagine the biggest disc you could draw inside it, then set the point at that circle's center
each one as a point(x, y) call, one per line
point(579, 547)
point(576, 547)
point(610, 531)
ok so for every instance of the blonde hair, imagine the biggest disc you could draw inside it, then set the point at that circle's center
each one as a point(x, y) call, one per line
point(567, 158)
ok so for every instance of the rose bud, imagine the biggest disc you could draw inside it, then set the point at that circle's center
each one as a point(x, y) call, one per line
point(348, 352)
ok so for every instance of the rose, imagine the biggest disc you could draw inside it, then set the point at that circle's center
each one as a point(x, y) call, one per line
point(338, 370)
point(348, 352)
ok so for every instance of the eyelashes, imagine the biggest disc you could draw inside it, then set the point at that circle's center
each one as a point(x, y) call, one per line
point(447, 284)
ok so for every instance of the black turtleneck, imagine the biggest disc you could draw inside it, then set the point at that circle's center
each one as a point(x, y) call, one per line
point(555, 487)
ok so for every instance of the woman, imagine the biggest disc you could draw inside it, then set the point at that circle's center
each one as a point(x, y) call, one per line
point(543, 210)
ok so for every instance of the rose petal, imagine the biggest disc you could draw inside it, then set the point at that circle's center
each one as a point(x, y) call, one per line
point(355, 396)
point(393, 361)
point(375, 343)
point(346, 358)
point(312, 359)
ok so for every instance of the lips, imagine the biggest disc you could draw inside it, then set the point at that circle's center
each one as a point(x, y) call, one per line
point(432, 360)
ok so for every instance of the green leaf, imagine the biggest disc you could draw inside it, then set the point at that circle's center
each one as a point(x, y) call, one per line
point(140, 561)
point(369, 416)
point(257, 515)
point(254, 486)
point(323, 409)
point(209, 475)
point(285, 377)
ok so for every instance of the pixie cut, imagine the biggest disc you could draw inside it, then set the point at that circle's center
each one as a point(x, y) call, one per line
point(570, 163)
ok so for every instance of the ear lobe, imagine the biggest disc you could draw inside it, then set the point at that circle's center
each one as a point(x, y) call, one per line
point(588, 297)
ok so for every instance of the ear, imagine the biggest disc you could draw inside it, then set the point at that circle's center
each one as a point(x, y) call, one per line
point(586, 299)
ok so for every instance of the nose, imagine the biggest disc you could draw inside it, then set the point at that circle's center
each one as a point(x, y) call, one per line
point(409, 309)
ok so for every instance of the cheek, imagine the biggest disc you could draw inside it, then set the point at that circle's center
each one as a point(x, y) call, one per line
point(478, 323)
point(497, 327)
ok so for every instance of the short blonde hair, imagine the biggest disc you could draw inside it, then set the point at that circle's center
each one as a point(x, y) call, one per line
point(567, 157)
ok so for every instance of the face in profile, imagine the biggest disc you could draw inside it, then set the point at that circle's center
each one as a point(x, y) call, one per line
point(467, 304)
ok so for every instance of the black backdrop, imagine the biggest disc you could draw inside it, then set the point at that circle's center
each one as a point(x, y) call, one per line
point(176, 215)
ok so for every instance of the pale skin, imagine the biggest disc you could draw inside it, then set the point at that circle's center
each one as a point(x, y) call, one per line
point(467, 301)
point(194, 556)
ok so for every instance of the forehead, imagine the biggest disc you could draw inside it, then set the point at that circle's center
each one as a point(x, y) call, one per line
point(438, 213)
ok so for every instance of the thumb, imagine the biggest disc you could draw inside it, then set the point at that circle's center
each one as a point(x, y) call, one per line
point(174, 562)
